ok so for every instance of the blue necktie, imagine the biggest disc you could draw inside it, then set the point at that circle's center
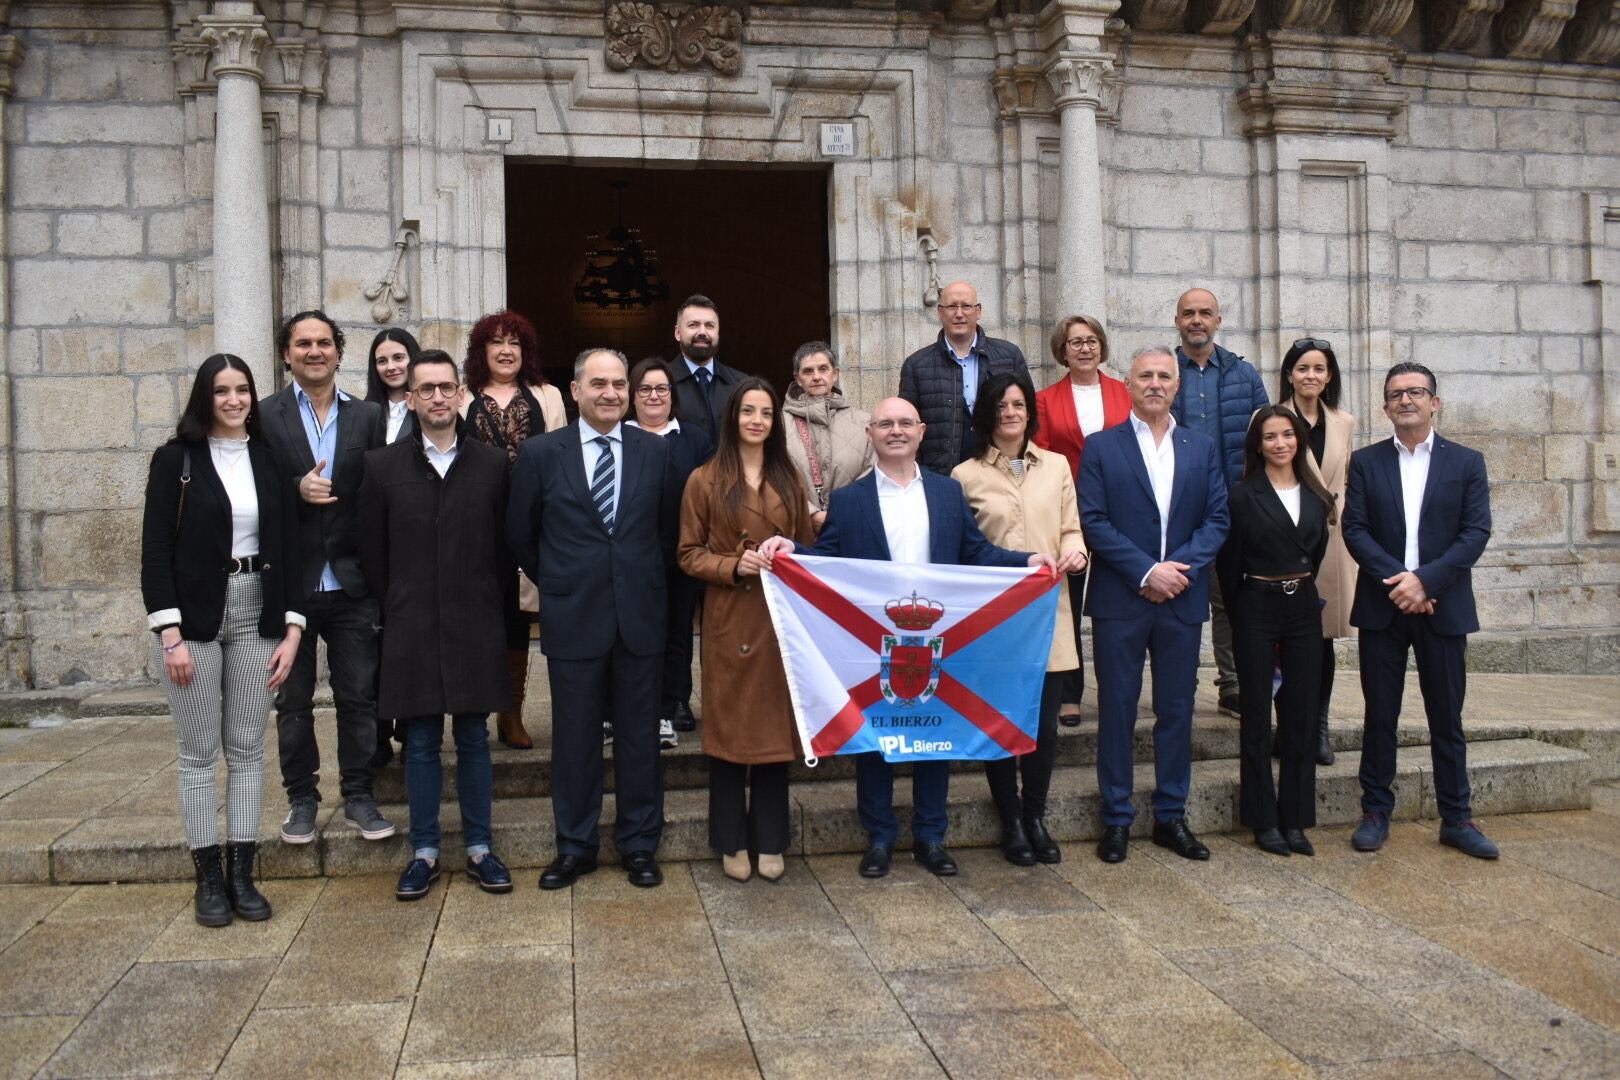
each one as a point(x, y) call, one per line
point(703, 377)
point(602, 482)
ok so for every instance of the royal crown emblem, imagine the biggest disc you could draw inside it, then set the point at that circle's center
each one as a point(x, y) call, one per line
point(909, 670)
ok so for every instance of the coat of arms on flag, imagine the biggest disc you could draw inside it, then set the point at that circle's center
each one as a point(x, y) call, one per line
point(919, 662)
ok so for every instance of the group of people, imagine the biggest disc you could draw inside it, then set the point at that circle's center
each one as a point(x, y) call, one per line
point(422, 531)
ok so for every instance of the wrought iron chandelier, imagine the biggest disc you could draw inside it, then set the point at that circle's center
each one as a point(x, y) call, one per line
point(622, 273)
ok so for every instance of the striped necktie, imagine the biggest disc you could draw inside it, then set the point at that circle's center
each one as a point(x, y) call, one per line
point(602, 482)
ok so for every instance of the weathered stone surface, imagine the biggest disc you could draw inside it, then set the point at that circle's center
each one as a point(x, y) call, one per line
point(117, 291)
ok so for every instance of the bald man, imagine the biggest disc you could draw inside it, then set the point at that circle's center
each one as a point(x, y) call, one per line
point(942, 379)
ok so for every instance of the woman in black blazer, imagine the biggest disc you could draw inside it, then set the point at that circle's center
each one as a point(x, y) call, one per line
point(1279, 533)
point(219, 575)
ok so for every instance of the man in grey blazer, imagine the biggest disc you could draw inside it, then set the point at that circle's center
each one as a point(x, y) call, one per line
point(319, 436)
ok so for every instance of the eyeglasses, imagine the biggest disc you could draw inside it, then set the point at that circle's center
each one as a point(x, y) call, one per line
point(1083, 343)
point(1308, 343)
point(660, 390)
point(429, 391)
point(957, 309)
point(903, 424)
point(1415, 393)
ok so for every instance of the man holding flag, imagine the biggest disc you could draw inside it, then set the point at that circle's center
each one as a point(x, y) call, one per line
point(902, 513)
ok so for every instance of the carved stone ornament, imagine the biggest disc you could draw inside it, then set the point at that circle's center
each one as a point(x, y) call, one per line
point(1018, 92)
point(1079, 80)
point(1457, 25)
point(1217, 16)
point(674, 37)
point(1593, 35)
point(1379, 18)
point(10, 56)
point(237, 44)
point(1526, 29)
point(1303, 14)
point(1155, 14)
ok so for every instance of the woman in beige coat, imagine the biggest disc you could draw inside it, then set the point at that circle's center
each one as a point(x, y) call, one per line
point(1309, 384)
point(826, 435)
point(746, 493)
point(1023, 499)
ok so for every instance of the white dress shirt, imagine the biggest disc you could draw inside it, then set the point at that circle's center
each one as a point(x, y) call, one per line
point(1161, 470)
point(397, 412)
point(441, 460)
point(1290, 501)
point(230, 457)
point(1414, 478)
point(1088, 406)
point(905, 516)
point(588, 436)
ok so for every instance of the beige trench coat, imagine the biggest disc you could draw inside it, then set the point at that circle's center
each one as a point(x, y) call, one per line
point(1336, 582)
point(1035, 512)
point(837, 431)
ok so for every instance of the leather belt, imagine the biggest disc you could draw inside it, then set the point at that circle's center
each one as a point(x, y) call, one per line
point(247, 564)
point(1287, 586)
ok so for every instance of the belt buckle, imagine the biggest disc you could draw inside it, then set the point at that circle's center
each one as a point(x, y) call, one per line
point(236, 565)
point(1290, 587)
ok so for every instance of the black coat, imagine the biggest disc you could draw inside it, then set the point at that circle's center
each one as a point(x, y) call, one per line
point(689, 399)
point(433, 552)
point(187, 567)
point(1263, 540)
point(932, 381)
point(326, 533)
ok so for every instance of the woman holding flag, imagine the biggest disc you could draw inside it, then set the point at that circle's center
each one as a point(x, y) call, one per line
point(1024, 499)
point(748, 492)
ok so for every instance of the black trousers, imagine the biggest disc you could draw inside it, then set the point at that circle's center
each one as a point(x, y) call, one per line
point(1442, 666)
point(1074, 682)
point(623, 688)
point(349, 628)
point(748, 807)
point(685, 593)
point(1268, 628)
point(1035, 767)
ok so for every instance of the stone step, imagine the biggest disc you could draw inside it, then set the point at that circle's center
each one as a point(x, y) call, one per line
point(1509, 776)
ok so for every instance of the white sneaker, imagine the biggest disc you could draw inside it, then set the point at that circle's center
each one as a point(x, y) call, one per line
point(667, 739)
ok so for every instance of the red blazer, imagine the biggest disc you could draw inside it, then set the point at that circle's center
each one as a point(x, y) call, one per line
point(1059, 426)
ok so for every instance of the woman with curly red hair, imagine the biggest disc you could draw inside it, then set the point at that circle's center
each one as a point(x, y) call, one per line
point(507, 401)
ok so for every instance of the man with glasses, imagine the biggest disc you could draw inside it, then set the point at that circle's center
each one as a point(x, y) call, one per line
point(433, 510)
point(1417, 516)
point(1219, 392)
point(942, 379)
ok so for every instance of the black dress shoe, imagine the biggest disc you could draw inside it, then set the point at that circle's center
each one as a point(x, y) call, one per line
point(875, 863)
point(564, 870)
point(935, 859)
point(642, 869)
point(1069, 719)
point(681, 718)
point(1298, 842)
point(1271, 840)
point(1046, 849)
point(1178, 838)
point(1115, 842)
point(1015, 846)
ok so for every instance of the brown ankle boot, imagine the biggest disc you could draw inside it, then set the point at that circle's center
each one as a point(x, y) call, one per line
point(509, 724)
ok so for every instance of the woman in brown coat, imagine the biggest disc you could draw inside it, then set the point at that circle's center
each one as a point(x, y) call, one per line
point(748, 492)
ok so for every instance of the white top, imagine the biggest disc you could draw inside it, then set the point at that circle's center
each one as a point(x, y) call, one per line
point(1290, 500)
point(671, 426)
point(397, 412)
point(1088, 406)
point(439, 459)
point(236, 473)
point(905, 517)
point(1161, 470)
point(588, 436)
point(1414, 478)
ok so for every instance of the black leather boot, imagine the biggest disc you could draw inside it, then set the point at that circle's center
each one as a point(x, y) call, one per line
point(1015, 842)
point(248, 902)
point(1324, 746)
point(1045, 848)
point(210, 902)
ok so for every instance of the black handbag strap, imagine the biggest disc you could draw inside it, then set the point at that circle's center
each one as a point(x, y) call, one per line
point(185, 479)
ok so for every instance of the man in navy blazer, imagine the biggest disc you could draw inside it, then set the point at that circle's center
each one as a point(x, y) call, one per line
point(1153, 508)
point(1417, 516)
point(592, 521)
point(900, 512)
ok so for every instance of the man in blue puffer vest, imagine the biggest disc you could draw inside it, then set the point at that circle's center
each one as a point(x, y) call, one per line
point(1219, 392)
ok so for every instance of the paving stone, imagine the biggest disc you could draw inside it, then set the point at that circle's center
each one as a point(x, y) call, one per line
point(532, 1068)
point(990, 886)
point(808, 985)
point(1394, 888)
point(1589, 917)
point(349, 961)
point(1039, 1042)
point(23, 906)
point(1236, 871)
point(14, 774)
point(1512, 1027)
point(878, 1056)
point(795, 904)
point(30, 1040)
point(25, 848)
point(493, 1003)
point(146, 904)
point(525, 916)
point(63, 743)
point(124, 849)
point(700, 1032)
point(65, 967)
point(1519, 776)
point(1457, 1065)
point(1165, 907)
point(56, 795)
point(346, 1040)
point(1582, 863)
point(170, 1017)
point(947, 991)
point(185, 939)
point(1577, 977)
point(907, 927)
point(1212, 1043)
point(611, 921)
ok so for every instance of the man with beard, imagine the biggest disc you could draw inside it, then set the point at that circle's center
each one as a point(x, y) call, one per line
point(703, 384)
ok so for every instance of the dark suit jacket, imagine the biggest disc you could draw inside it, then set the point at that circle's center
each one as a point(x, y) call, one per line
point(1120, 519)
point(328, 534)
point(854, 526)
point(1454, 525)
point(689, 399)
point(1264, 540)
point(185, 567)
point(594, 587)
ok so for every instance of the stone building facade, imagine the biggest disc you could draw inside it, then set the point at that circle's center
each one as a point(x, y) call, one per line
point(1436, 180)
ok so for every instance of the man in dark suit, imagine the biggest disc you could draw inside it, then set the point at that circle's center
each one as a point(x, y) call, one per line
point(320, 436)
point(703, 384)
point(901, 512)
point(1153, 508)
point(592, 521)
point(1417, 516)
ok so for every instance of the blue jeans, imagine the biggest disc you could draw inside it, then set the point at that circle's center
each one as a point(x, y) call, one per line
point(424, 780)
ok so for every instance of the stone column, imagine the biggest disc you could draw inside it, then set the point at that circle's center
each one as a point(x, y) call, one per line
point(1070, 34)
point(242, 321)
